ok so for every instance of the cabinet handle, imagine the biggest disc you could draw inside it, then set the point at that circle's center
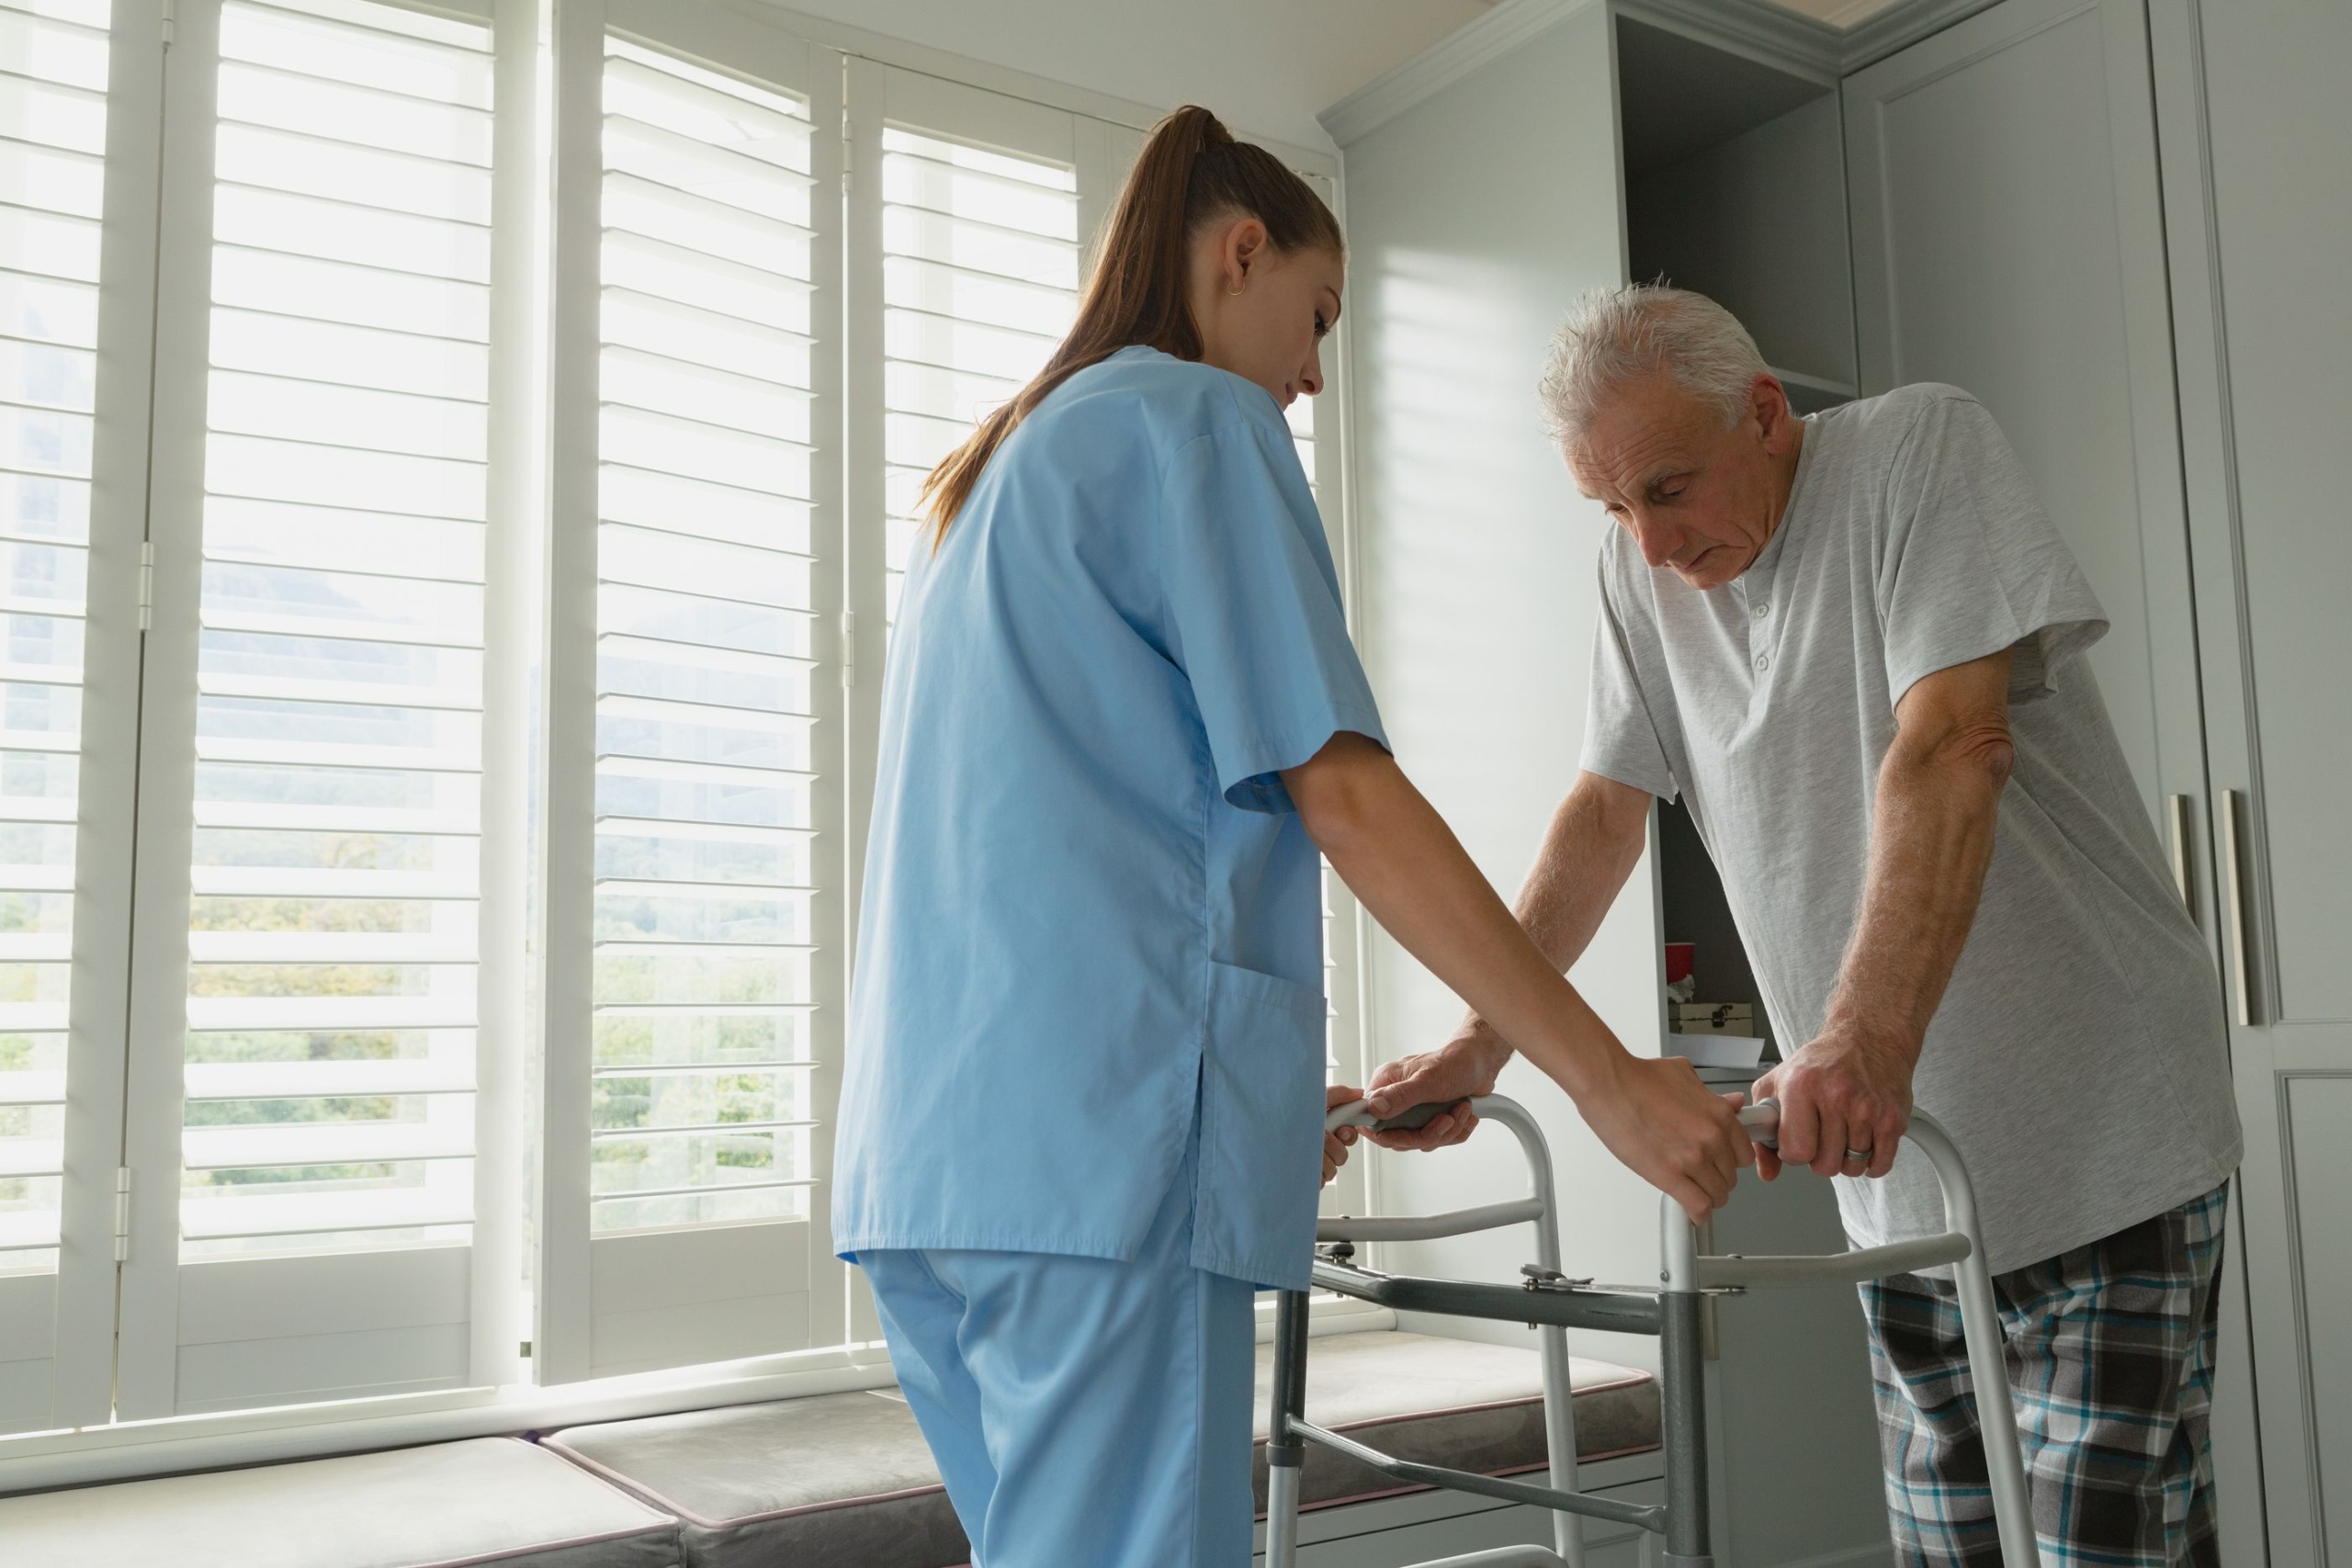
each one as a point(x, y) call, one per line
point(2176, 831)
point(2233, 905)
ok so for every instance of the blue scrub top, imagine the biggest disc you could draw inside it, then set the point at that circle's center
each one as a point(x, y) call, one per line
point(1091, 932)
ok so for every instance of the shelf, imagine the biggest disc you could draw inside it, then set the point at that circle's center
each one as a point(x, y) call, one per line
point(1845, 389)
point(1813, 394)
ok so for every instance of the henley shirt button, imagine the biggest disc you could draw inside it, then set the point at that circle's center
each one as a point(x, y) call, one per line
point(1763, 609)
point(1763, 661)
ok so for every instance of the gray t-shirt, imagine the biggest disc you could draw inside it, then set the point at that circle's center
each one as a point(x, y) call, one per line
point(2079, 1057)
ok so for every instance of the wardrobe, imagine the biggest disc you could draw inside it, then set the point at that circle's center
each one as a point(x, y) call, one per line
point(2125, 226)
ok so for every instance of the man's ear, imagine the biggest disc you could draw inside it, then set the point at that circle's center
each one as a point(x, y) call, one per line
point(1768, 404)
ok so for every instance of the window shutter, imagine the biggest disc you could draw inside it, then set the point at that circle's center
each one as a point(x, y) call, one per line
point(55, 61)
point(701, 924)
point(980, 263)
point(317, 828)
point(52, 115)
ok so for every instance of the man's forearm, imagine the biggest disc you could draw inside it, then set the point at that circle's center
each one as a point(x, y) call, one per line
point(1588, 850)
point(1845, 1093)
point(1931, 841)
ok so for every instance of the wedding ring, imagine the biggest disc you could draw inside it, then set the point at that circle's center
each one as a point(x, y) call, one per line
point(1862, 1154)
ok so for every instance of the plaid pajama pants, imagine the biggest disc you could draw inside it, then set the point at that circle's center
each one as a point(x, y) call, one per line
point(2110, 1359)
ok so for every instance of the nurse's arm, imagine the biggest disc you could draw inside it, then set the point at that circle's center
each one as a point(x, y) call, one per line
point(1406, 867)
point(1595, 839)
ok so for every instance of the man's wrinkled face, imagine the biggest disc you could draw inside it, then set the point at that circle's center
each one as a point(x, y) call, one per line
point(1698, 496)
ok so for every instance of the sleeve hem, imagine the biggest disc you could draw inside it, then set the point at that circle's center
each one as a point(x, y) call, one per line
point(1255, 780)
point(2053, 638)
point(1629, 773)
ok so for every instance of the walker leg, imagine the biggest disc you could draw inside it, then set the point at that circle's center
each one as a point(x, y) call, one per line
point(1285, 1452)
point(1560, 1439)
point(1683, 1399)
point(1988, 1366)
point(1997, 1416)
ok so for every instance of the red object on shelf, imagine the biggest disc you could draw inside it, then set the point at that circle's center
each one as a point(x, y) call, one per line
point(1682, 957)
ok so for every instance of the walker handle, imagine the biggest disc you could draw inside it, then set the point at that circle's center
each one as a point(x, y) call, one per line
point(1411, 1119)
point(1762, 1120)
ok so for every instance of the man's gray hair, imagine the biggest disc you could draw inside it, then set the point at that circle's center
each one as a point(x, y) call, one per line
point(1615, 336)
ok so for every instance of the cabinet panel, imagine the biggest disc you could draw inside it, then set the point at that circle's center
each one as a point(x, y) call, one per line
point(2259, 241)
point(2008, 240)
point(2319, 1107)
point(2283, 211)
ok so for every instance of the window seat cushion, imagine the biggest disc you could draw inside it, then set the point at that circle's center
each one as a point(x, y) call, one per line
point(487, 1500)
point(845, 1480)
point(841, 1480)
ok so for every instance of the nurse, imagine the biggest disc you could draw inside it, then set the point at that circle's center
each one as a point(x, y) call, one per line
point(1082, 1116)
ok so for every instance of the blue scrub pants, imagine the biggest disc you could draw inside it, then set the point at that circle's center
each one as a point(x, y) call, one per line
point(1085, 1413)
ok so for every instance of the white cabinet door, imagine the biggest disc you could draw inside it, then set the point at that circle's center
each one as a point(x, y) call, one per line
point(2008, 238)
point(2255, 121)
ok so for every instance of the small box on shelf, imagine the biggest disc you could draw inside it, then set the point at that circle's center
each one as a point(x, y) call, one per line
point(1712, 1018)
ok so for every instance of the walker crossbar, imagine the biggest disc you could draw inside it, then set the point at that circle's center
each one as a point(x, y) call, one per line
point(1734, 1271)
point(1609, 1311)
point(1649, 1515)
point(1427, 1227)
point(1552, 1305)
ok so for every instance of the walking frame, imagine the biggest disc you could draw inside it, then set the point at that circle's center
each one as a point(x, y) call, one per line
point(1554, 1305)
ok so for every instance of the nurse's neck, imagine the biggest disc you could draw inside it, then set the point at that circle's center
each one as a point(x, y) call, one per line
point(1262, 311)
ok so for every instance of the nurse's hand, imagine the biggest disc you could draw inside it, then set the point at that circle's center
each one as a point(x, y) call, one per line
point(1335, 1144)
point(1672, 1129)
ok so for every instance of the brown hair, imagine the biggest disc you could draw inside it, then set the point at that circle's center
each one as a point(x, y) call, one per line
point(1190, 173)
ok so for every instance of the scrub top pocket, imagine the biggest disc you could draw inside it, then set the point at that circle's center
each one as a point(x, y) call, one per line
point(1262, 1128)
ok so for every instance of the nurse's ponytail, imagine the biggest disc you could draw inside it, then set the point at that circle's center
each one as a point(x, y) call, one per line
point(1190, 172)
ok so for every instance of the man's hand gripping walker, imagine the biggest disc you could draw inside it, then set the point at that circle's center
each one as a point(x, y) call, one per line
point(1555, 1304)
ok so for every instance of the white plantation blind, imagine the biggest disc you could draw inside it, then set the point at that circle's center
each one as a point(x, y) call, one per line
point(333, 918)
point(981, 254)
point(53, 60)
point(706, 763)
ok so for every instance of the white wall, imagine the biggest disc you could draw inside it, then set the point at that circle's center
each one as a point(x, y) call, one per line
point(1264, 66)
point(1479, 593)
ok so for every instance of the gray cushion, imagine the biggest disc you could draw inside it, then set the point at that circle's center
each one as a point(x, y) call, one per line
point(487, 1500)
point(845, 1480)
point(837, 1479)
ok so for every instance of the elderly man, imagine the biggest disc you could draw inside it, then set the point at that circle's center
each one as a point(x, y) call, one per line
point(1854, 645)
